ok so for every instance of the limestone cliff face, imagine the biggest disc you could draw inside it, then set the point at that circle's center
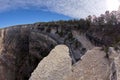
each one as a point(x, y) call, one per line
point(23, 47)
point(94, 65)
point(97, 65)
point(55, 66)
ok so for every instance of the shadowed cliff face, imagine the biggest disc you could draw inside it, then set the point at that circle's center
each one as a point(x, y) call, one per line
point(21, 51)
point(23, 47)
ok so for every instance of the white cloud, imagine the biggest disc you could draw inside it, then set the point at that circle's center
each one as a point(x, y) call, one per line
point(72, 8)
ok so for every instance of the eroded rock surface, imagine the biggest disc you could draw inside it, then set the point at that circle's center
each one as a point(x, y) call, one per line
point(94, 65)
point(55, 66)
point(22, 47)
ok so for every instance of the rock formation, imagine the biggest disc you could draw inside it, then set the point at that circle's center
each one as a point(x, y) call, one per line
point(55, 66)
point(94, 65)
point(23, 47)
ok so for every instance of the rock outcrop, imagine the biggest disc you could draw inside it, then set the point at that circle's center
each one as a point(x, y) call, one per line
point(56, 66)
point(114, 56)
point(23, 47)
point(96, 64)
point(93, 66)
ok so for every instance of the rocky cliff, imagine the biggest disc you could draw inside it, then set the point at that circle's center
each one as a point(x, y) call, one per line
point(94, 65)
point(21, 50)
point(55, 66)
point(23, 47)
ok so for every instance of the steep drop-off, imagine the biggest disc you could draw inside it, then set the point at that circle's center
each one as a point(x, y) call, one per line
point(21, 50)
point(22, 47)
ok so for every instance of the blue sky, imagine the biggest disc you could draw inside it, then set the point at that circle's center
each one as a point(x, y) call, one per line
point(13, 12)
point(27, 16)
